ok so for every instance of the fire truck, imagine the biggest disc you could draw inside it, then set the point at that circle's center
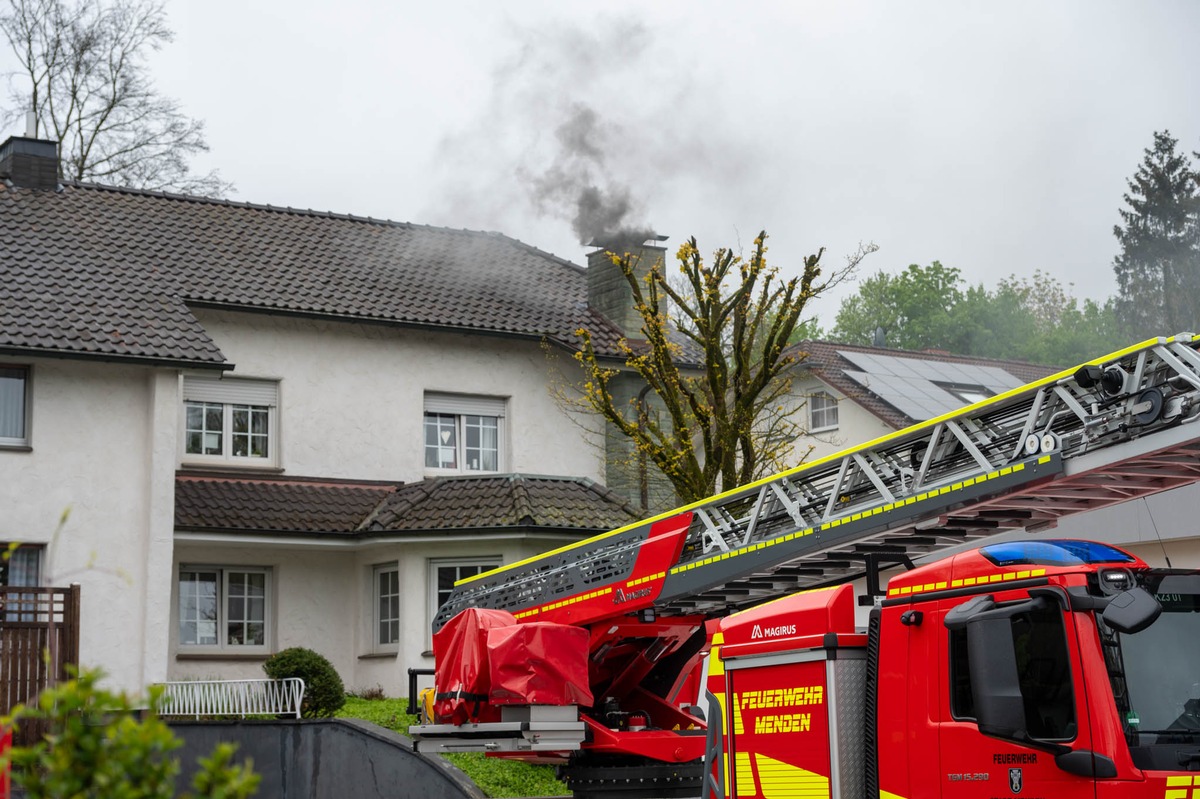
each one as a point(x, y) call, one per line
point(714, 649)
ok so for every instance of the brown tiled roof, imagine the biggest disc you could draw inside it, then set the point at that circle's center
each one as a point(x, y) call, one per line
point(822, 359)
point(311, 506)
point(503, 501)
point(92, 270)
point(273, 504)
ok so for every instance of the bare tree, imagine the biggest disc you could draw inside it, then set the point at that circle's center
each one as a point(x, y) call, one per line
point(83, 74)
point(727, 413)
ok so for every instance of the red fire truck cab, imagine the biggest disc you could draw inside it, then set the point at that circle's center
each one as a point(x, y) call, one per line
point(1050, 668)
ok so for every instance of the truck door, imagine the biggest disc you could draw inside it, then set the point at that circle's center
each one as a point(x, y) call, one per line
point(1050, 679)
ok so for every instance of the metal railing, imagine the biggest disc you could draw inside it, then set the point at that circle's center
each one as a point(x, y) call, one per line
point(232, 698)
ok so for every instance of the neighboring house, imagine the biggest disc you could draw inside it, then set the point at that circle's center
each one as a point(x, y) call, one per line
point(275, 427)
point(854, 394)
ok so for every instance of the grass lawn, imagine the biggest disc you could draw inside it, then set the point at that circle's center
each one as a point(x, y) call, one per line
point(498, 778)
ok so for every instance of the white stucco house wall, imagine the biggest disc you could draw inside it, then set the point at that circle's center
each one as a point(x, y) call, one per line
point(271, 428)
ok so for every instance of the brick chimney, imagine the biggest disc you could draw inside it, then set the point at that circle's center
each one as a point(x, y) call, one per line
point(29, 163)
point(608, 291)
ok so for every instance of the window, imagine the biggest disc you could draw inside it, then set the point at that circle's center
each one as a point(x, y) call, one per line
point(232, 421)
point(463, 433)
point(822, 412)
point(966, 393)
point(14, 406)
point(20, 565)
point(387, 606)
point(224, 608)
point(445, 573)
point(1043, 671)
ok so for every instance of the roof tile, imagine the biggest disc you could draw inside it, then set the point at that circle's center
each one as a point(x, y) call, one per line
point(229, 503)
point(112, 272)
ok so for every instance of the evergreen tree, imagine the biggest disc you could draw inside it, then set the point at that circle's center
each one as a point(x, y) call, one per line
point(1158, 268)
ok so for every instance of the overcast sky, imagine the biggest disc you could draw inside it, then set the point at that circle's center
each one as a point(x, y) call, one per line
point(995, 137)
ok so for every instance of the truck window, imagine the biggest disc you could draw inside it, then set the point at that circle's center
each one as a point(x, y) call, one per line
point(1044, 670)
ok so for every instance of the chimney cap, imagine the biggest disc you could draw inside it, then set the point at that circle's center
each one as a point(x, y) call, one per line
point(637, 238)
point(29, 163)
point(24, 145)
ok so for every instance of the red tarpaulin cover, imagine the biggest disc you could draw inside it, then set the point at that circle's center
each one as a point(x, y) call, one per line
point(539, 663)
point(461, 681)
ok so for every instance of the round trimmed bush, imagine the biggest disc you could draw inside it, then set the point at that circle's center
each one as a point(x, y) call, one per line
point(324, 693)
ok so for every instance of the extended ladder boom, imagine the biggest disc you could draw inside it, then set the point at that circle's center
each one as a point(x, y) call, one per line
point(1116, 428)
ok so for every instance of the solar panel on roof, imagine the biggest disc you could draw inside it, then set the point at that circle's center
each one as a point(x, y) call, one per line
point(915, 398)
point(917, 387)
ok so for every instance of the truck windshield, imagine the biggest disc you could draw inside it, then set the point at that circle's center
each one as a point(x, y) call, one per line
point(1154, 673)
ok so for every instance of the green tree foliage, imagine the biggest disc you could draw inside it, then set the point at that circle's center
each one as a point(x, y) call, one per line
point(1158, 267)
point(930, 307)
point(723, 419)
point(324, 693)
point(916, 309)
point(100, 745)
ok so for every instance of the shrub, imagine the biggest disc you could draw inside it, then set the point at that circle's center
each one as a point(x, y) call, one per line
point(98, 746)
point(324, 692)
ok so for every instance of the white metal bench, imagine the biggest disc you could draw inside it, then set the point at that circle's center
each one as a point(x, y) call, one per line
point(232, 697)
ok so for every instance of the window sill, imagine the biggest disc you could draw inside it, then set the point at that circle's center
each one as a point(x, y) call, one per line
point(829, 429)
point(15, 448)
point(211, 466)
point(380, 656)
point(248, 656)
point(460, 473)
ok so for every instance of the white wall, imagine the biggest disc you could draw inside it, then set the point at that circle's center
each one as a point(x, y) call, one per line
point(96, 453)
point(351, 395)
point(855, 425)
point(322, 599)
point(351, 406)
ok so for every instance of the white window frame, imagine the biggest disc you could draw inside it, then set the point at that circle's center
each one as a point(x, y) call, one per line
point(479, 565)
point(818, 414)
point(222, 646)
point(25, 413)
point(380, 616)
point(232, 395)
point(462, 412)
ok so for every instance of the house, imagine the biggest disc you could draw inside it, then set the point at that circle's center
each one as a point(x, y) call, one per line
point(270, 427)
point(241, 428)
point(854, 394)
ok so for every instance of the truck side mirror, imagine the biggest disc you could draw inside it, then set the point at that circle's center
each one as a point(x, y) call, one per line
point(995, 686)
point(1132, 611)
point(992, 659)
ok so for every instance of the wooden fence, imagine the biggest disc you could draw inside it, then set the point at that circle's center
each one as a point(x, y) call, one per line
point(39, 636)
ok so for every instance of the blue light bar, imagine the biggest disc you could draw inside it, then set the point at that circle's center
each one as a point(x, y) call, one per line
point(1055, 552)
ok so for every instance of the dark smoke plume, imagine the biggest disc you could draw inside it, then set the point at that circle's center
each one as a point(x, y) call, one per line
point(571, 187)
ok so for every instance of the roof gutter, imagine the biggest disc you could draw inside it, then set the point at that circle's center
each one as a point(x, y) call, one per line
point(75, 355)
point(351, 542)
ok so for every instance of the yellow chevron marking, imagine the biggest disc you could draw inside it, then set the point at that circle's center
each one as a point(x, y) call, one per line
point(784, 781)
